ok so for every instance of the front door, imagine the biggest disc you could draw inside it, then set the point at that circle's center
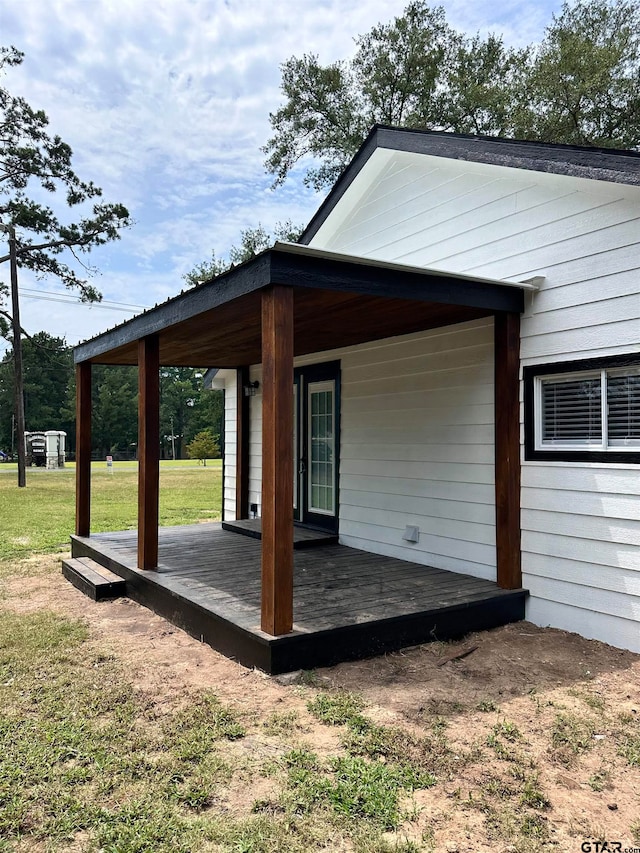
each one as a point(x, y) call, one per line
point(316, 438)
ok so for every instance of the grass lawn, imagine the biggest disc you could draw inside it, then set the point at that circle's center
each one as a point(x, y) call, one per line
point(41, 517)
point(120, 734)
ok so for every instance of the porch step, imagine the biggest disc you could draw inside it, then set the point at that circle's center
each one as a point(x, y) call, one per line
point(93, 579)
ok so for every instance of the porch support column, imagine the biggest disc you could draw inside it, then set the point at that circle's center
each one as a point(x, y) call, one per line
point(507, 448)
point(242, 444)
point(83, 448)
point(148, 450)
point(277, 460)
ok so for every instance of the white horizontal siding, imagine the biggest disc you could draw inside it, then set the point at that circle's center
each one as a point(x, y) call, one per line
point(600, 528)
point(606, 480)
point(580, 522)
point(594, 552)
point(438, 490)
point(255, 443)
point(456, 508)
point(230, 445)
point(614, 579)
point(434, 469)
point(472, 454)
point(599, 289)
point(513, 224)
point(441, 434)
point(588, 504)
point(581, 548)
point(417, 446)
point(588, 622)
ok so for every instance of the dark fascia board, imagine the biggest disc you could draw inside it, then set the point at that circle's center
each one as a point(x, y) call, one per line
point(391, 281)
point(250, 276)
point(298, 267)
point(600, 164)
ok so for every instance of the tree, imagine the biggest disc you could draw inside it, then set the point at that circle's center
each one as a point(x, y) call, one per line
point(580, 85)
point(204, 446)
point(48, 376)
point(484, 88)
point(207, 413)
point(179, 391)
point(252, 242)
point(114, 401)
point(187, 408)
point(585, 80)
point(31, 161)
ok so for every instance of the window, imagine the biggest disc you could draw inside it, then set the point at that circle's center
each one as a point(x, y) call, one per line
point(588, 410)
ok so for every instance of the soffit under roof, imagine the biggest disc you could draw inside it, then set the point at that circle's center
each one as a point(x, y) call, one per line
point(338, 301)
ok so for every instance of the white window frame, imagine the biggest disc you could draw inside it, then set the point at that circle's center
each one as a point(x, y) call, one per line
point(605, 444)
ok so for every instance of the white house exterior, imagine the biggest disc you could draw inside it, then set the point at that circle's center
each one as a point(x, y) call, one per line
point(412, 419)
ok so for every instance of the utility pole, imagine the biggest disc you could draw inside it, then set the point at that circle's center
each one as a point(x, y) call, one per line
point(17, 355)
point(173, 442)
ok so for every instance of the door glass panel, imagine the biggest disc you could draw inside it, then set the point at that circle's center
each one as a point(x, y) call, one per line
point(296, 456)
point(321, 486)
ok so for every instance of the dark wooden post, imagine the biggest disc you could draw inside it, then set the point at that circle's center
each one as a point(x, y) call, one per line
point(277, 460)
point(507, 417)
point(148, 450)
point(242, 445)
point(83, 448)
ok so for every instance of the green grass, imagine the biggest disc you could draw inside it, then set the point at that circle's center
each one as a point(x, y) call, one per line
point(336, 709)
point(88, 762)
point(630, 749)
point(487, 706)
point(81, 751)
point(351, 787)
point(40, 518)
point(571, 735)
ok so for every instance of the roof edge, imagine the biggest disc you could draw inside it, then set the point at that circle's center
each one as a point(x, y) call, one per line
point(246, 277)
point(604, 164)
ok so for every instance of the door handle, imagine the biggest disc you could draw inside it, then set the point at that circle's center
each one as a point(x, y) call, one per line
point(302, 467)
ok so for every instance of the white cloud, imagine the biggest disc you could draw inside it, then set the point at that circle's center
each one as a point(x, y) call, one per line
point(165, 104)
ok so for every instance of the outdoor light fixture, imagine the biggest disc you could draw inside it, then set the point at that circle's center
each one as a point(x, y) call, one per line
point(251, 388)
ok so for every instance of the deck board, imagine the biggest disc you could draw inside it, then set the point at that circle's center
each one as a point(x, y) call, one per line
point(210, 576)
point(303, 537)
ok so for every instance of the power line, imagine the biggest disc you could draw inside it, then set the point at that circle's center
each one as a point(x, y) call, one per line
point(87, 305)
point(52, 296)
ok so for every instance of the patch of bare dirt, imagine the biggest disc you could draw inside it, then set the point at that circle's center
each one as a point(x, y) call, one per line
point(510, 704)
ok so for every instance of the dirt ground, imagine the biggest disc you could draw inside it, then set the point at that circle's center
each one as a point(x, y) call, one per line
point(519, 675)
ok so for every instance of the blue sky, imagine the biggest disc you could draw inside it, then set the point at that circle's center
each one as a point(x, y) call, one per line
point(166, 105)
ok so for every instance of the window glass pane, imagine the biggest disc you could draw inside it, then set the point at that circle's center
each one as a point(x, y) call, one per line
point(571, 410)
point(296, 460)
point(321, 447)
point(623, 399)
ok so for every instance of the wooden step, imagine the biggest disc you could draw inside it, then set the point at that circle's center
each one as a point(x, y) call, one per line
point(93, 579)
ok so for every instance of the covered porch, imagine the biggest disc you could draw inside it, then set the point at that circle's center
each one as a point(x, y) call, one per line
point(348, 603)
point(292, 301)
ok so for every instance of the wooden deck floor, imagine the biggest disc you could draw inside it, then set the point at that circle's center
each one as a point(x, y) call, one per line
point(347, 603)
point(303, 537)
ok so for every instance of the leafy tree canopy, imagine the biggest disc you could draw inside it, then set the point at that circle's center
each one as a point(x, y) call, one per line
point(585, 78)
point(580, 85)
point(33, 162)
point(48, 381)
point(252, 242)
point(186, 407)
point(204, 446)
